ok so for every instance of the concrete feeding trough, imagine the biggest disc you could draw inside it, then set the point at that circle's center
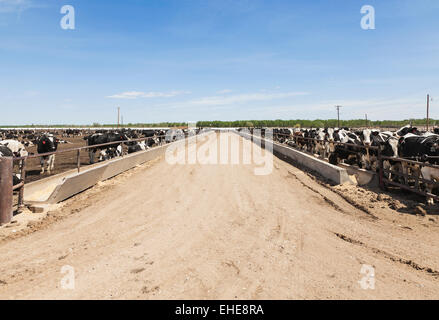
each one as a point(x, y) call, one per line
point(65, 185)
point(336, 174)
point(361, 177)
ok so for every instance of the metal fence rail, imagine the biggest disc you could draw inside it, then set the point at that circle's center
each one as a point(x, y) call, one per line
point(417, 178)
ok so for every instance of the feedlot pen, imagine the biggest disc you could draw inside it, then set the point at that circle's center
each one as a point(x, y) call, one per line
point(162, 231)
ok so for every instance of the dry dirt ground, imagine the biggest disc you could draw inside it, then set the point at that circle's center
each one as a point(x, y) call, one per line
point(164, 231)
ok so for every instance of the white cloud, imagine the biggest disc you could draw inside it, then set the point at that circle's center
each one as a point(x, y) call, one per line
point(242, 98)
point(224, 91)
point(140, 94)
point(7, 6)
point(31, 93)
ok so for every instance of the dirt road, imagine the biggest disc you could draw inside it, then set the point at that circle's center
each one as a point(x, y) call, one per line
point(166, 231)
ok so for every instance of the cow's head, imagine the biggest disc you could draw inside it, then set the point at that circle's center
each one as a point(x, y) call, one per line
point(122, 137)
point(389, 148)
point(414, 130)
point(321, 134)
point(408, 129)
point(366, 137)
point(434, 148)
point(330, 134)
point(22, 152)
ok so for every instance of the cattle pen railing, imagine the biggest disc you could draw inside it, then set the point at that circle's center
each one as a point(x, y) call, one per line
point(7, 188)
point(300, 138)
point(412, 179)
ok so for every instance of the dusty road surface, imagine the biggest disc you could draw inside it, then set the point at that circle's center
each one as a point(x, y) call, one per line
point(194, 231)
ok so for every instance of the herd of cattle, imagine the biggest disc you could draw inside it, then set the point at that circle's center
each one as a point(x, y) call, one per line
point(361, 147)
point(13, 143)
point(337, 145)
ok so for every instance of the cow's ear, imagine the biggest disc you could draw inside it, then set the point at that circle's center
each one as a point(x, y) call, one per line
point(375, 133)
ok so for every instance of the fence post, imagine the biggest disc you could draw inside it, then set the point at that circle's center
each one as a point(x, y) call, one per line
point(22, 178)
point(78, 160)
point(5, 190)
point(381, 169)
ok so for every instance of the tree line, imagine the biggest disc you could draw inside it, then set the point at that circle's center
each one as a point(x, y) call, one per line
point(299, 123)
point(98, 125)
point(318, 123)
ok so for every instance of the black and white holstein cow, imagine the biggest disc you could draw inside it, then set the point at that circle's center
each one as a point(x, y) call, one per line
point(136, 147)
point(348, 154)
point(47, 143)
point(16, 147)
point(386, 142)
point(106, 152)
point(319, 147)
point(13, 148)
point(6, 152)
point(404, 167)
point(324, 144)
point(308, 143)
point(155, 137)
point(281, 135)
point(420, 148)
point(407, 130)
point(366, 157)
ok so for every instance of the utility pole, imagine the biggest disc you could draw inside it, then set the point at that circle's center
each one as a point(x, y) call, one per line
point(118, 116)
point(428, 110)
point(338, 116)
point(366, 122)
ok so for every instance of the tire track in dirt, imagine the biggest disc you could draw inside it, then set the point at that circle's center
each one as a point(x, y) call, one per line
point(389, 256)
point(331, 202)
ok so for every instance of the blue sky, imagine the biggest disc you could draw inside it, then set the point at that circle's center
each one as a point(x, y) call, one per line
point(189, 60)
